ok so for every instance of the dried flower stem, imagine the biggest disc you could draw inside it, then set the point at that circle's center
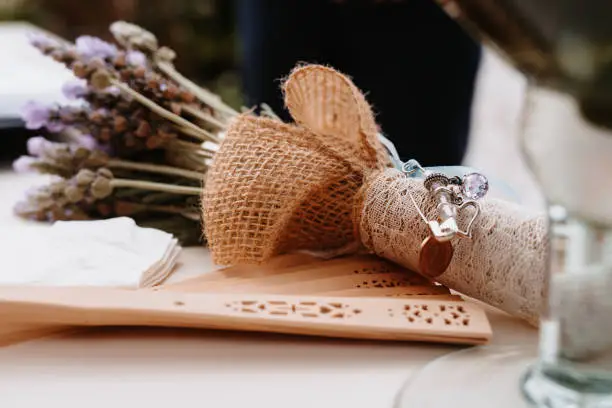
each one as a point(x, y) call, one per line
point(267, 110)
point(153, 186)
point(154, 168)
point(203, 95)
point(205, 117)
point(71, 133)
point(196, 134)
point(183, 123)
point(190, 161)
point(192, 147)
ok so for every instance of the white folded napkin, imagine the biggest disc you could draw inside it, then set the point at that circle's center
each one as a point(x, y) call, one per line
point(114, 252)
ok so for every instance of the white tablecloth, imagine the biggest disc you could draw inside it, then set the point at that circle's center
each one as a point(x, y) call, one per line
point(162, 368)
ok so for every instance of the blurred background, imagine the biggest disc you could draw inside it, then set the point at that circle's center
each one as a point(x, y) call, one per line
point(205, 36)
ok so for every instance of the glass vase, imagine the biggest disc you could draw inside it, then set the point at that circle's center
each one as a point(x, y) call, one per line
point(569, 149)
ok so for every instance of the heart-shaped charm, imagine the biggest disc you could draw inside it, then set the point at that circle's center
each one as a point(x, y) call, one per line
point(467, 233)
point(444, 231)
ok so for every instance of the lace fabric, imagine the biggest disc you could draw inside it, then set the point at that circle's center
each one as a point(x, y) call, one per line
point(503, 264)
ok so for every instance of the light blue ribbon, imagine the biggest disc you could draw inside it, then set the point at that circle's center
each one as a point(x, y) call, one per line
point(498, 188)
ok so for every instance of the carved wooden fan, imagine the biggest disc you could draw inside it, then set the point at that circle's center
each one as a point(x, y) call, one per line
point(352, 297)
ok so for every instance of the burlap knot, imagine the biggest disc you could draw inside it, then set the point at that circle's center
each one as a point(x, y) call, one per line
point(277, 187)
point(325, 184)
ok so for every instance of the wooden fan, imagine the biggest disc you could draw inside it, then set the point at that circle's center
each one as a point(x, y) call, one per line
point(351, 297)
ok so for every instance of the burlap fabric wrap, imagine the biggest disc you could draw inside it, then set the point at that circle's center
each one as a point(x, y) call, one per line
point(325, 184)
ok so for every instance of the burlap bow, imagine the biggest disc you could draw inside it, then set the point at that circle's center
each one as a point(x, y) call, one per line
point(278, 187)
point(325, 184)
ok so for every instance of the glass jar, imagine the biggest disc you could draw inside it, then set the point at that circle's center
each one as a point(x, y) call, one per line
point(571, 156)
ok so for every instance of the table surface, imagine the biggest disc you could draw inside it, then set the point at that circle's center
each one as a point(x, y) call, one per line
point(155, 368)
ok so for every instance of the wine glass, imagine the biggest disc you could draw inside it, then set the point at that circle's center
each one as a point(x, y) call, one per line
point(565, 49)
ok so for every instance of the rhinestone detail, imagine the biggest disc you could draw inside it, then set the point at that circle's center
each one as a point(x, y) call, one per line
point(474, 186)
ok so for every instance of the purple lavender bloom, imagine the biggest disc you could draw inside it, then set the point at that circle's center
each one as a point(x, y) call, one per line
point(24, 164)
point(35, 115)
point(54, 126)
point(41, 40)
point(75, 89)
point(32, 191)
point(103, 112)
point(37, 145)
point(87, 141)
point(91, 47)
point(25, 209)
point(136, 58)
point(112, 90)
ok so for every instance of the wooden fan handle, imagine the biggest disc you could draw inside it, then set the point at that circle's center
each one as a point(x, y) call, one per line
point(384, 319)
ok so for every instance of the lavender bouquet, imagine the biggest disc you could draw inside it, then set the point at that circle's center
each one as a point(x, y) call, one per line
point(139, 137)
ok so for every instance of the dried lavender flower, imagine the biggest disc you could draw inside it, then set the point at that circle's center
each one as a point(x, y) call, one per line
point(87, 141)
point(101, 187)
point(75, 89)
point(58, 158)
point(24, 164)
point(133, 36)
point(142, 81)
point(90, 47)
point(140, 120)
point(112, 90)
point(35, 114)
point(136, 58)
point(37, 145)
point(39, 40)
point(100, 80)
point(49, 203)
point(85, 177)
